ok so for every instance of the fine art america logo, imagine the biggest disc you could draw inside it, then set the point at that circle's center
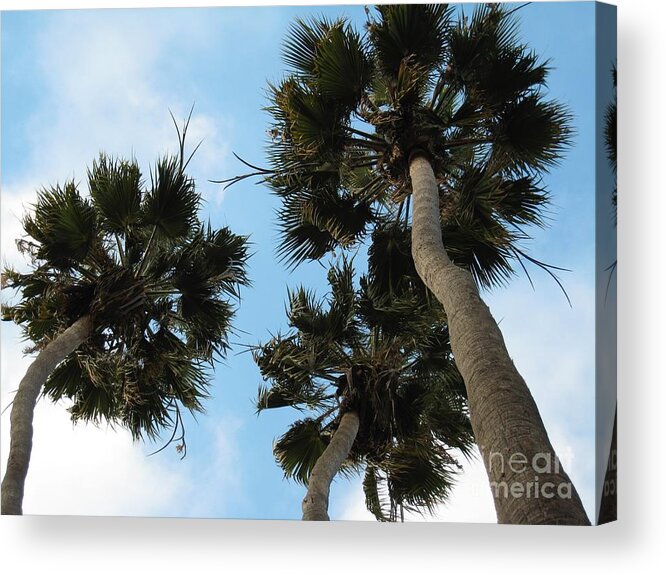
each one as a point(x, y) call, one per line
point(526, 476)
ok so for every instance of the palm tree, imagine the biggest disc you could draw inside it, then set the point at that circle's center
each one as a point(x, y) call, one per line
point(375, 375)
point(127, 301)
point(447, 118)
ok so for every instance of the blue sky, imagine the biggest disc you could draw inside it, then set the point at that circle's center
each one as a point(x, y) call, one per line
point(77, 82)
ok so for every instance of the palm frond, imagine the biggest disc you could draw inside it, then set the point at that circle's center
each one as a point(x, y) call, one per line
point(303, 40)
point(486, 253)
point(63, 225)
point(116, 190)
point(342, 67)
point(172, 202)
point(308, 121)
point(313, 223)
point(375, 501)
point(530, 135)
point(410, 30)
point(299, 448)
point(293, 366)
point(420, 475)
point(488, 62)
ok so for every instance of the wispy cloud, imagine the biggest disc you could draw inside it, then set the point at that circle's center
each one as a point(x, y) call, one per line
point(107, 89)
point(219, 470)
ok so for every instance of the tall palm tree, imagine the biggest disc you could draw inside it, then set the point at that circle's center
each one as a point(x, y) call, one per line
point(375, 375)
point(127, 302)
point(447, 118)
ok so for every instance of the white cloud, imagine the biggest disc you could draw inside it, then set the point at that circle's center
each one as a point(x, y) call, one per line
point(85, 470)
point(349, 505)
point(219, 477)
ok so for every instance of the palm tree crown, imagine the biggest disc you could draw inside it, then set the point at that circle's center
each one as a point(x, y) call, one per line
point(387, 359)
point(355, 108)
point(156, 282)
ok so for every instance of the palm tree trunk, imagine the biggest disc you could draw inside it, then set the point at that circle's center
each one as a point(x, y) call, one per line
point(528, 483)
point(315, 504)
point(23, 409)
